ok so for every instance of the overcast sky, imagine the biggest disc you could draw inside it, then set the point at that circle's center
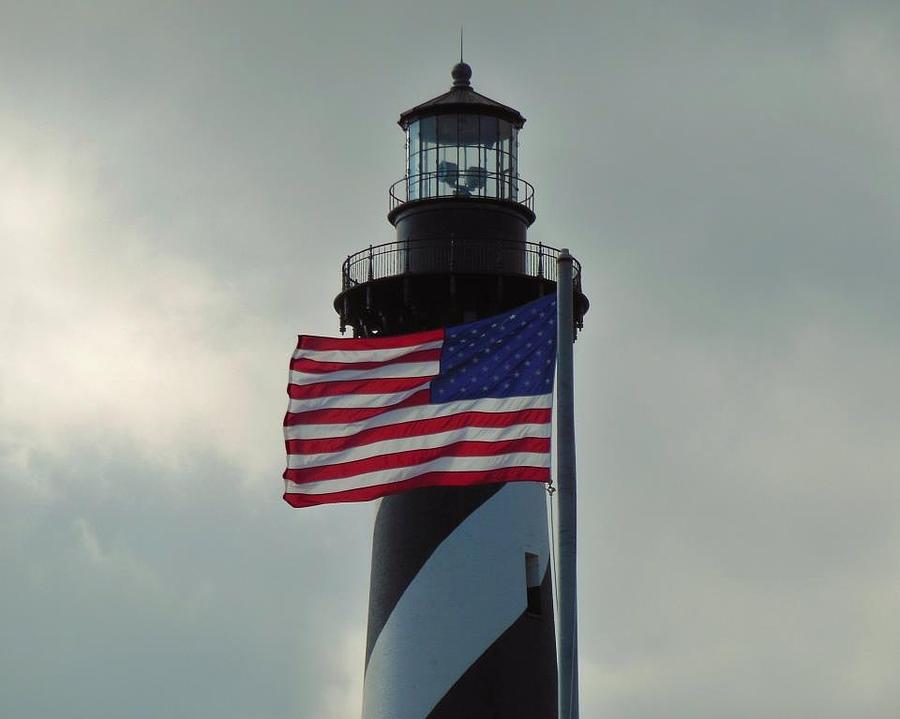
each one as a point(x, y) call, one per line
point(179, 183)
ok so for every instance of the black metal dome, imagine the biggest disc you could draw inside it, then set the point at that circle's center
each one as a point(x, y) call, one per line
point(463, 99)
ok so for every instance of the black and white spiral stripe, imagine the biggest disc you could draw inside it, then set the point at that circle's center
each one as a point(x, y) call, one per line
point(451, 633)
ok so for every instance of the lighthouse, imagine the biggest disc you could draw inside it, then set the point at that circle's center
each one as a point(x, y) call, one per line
point(460, 620)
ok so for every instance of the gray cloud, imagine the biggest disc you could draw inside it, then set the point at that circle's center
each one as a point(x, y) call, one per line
point(179, 185)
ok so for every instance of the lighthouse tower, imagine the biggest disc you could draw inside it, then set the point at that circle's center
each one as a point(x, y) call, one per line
point(460, 605)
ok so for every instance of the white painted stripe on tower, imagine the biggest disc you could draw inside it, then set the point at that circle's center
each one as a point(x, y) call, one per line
point(467, 594)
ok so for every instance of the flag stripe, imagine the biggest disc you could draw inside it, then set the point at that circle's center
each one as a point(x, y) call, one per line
point(341, 422)
point(416, 428)
point(380, 371)
point(417, 457)
point(297, 422)
point(356, 386)
point(429, 479)
point(370, 344)
point(351, 360)
point(376, 355)
point(419, 441)
point(450, 465)
point(352, 401)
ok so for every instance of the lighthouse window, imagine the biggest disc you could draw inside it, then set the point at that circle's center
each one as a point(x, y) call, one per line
point(533, 584)
point(427, 132)
point(412, 148)
point(468, 129)
point(448, 168)
point(447, 130)
point(461, 155)
point(489, 131)
point(412, 161)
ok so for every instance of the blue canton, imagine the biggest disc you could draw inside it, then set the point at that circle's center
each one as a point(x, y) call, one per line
point(509, 355)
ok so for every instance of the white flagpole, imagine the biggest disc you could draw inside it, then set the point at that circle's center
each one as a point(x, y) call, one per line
point(566, 499)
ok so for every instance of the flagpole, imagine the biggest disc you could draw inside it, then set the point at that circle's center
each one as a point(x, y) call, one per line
point(566, 498)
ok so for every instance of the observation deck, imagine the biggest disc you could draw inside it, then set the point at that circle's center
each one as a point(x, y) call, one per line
point(516, 271)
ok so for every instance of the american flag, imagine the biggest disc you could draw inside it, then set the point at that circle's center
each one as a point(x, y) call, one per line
point(463, 405)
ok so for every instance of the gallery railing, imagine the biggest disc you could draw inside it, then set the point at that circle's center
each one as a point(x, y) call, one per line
point(453, 255)
point(474, 182)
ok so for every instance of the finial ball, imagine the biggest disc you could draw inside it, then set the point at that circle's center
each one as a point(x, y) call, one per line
point(461, 74)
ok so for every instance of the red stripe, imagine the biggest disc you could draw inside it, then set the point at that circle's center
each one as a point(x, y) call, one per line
point(309, 342)
point(309, 365)
point(386, 385)
point(413, 457)
point(431, 479)
point(351, 415)
point(417, 428)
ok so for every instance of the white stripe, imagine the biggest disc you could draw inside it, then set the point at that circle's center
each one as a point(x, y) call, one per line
point(425, 411)
point(395, 370)
point(469, 591)
point(442, 464)
point(364, 355)
point(351, 401)
point(425, 441)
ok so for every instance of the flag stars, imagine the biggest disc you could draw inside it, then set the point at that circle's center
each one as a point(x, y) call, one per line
point(512, 351)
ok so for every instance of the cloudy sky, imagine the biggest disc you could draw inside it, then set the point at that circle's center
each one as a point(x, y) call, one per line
point(179, 183)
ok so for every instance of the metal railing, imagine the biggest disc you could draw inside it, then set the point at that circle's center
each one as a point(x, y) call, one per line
point(452, 255)
point(449, 182)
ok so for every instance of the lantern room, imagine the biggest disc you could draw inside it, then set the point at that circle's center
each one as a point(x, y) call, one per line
point(461, 144)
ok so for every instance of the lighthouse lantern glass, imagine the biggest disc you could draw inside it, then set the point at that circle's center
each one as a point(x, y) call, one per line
point(461, 155)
